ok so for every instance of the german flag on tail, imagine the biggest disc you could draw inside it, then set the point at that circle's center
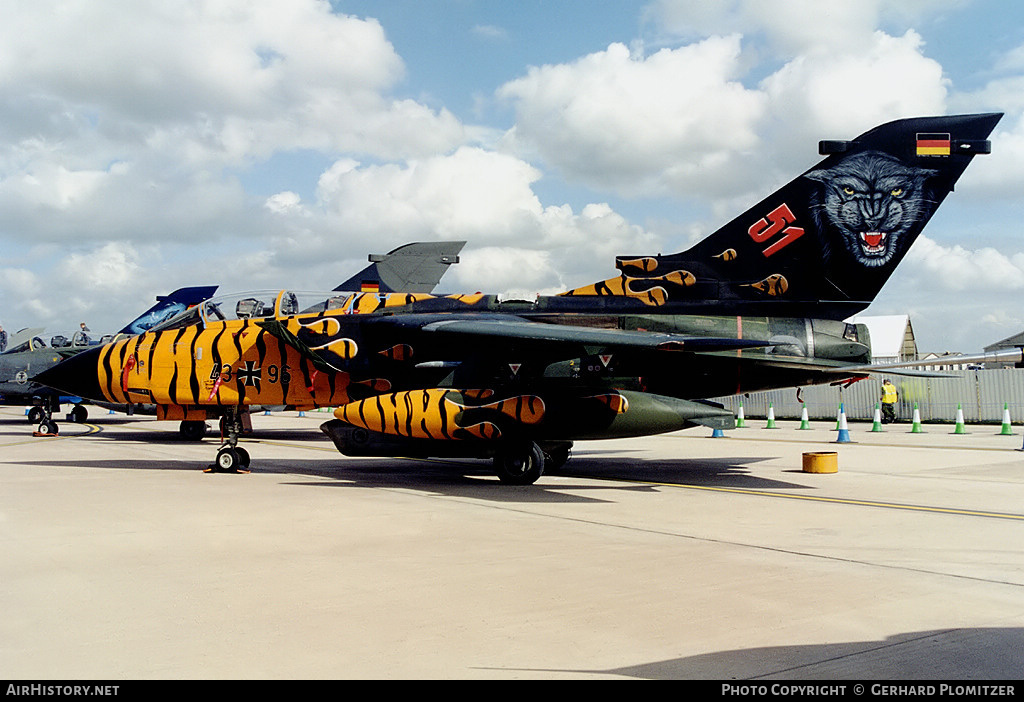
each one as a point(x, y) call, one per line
point(933, 145)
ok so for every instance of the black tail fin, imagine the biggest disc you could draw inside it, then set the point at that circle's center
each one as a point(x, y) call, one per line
point(828, 239)
point(168, 305)
point(413, 268)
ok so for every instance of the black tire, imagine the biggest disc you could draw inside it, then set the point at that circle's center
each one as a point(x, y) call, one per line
point(228, 460)
point(519, 463)
point(243, 457)
point(192, 430)
point(47, 427)
point(35, 415)
point(79, 414)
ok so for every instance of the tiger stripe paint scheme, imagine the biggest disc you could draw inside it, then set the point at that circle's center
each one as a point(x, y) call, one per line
point(230, 363)
point(237, 362)
point(445, 414)
point(368, 303)
point(441, 414)
point(653, 294)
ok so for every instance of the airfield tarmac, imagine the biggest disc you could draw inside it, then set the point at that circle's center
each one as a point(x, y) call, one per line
point(673, 557)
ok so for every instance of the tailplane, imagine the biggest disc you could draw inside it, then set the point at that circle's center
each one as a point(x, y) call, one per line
point(830, 238)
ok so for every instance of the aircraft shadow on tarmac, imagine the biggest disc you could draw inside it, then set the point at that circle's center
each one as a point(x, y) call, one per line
point(470, 478)
point(450, 476)
point(966, 655)
point(706, 472)
point(439, 477)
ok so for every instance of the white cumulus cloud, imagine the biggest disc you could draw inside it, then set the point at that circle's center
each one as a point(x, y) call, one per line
point(475, 195)
point(640, 125)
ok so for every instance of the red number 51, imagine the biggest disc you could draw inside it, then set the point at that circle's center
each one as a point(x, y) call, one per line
point(777, 222)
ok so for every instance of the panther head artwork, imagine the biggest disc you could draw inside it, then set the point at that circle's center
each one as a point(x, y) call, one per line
point(872, 201)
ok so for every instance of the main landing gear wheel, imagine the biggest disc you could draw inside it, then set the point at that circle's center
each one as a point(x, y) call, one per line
point(520, 463)
point(192, 430)
point(78, 414)
point(35, 415)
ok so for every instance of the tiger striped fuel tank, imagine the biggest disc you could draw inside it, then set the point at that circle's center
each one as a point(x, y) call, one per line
point(439, 413)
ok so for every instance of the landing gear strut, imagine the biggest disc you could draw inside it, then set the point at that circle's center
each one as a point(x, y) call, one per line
point(231, 458)
point(556, 455)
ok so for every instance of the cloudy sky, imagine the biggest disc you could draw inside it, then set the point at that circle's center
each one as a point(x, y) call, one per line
point(154, 144)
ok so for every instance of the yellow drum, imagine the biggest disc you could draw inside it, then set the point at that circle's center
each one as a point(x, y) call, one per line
point(821, 462)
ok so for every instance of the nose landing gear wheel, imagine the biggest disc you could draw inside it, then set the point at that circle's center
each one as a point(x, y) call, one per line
point(231, 460)
point(43, 415)
point(47, 427)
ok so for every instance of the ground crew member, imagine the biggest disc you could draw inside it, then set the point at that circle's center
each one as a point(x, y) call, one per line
point(889, 399)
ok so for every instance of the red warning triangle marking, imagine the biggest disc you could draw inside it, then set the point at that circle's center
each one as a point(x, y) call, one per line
point(605, 359)
point(515, 367)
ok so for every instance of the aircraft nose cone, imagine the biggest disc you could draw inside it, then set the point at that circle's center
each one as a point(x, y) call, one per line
point(77, 375)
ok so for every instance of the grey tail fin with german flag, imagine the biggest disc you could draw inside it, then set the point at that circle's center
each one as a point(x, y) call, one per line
point(412, 268)
point(826, 242)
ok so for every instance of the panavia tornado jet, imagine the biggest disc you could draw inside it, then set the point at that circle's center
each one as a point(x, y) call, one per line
point(30, 357)
point(414, 267)
point(758, 304)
